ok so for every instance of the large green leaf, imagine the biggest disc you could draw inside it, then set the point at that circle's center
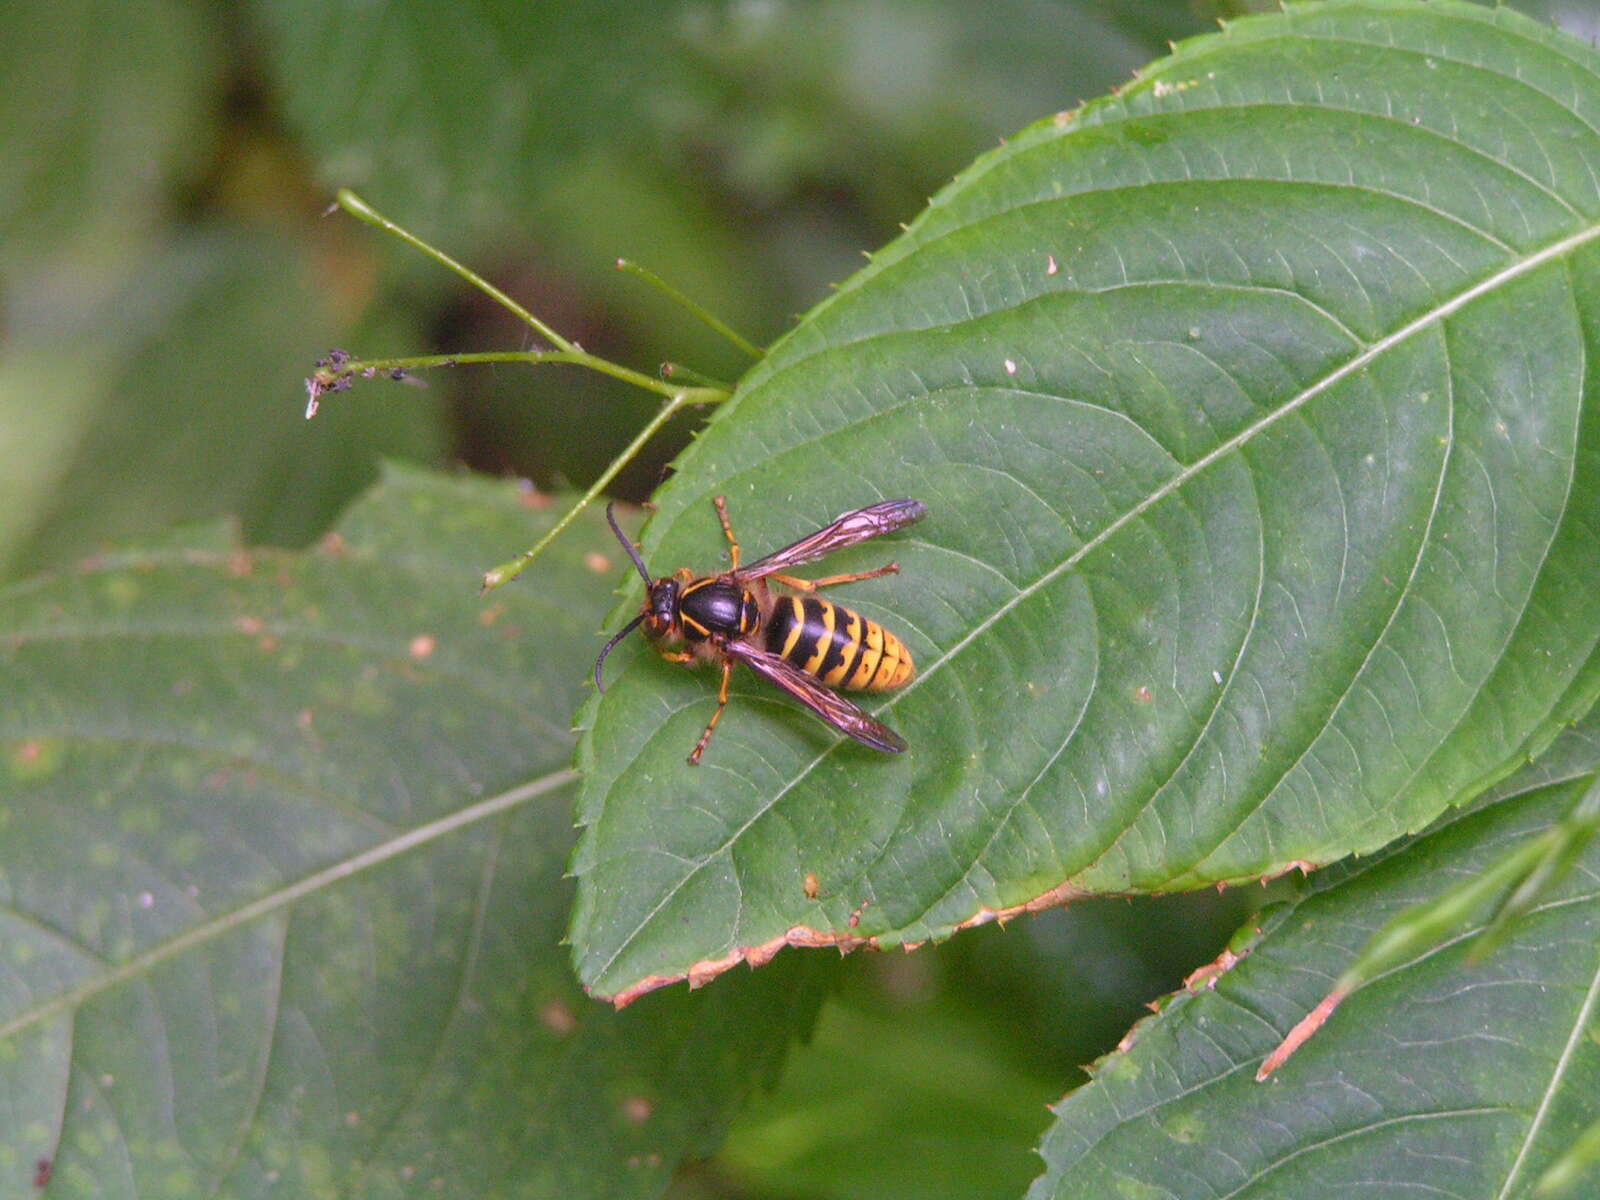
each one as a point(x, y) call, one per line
point(1442, 1076)
point(281, 845)
point(1248, 408)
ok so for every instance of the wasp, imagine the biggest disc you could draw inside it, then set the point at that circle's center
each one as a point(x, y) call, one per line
point(803, 643)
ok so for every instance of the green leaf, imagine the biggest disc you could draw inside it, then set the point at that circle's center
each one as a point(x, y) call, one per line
point(281, 847)
point(1248, 409)
point(1442, 1075)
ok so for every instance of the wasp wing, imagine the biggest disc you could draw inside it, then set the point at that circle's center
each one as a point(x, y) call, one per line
point(849, 529)
point(830, 706)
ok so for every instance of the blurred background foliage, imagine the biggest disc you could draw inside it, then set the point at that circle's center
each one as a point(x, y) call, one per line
point(168, 275)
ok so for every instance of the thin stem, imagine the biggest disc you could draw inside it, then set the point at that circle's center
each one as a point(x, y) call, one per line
point(336, 371)
point(676, 370)
point(357, 207)
point(581, 358)
point(508, 571)
point(714, 322)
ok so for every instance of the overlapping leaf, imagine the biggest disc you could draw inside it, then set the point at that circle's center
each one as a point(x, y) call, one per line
point(1443, 1075)
point(1250, 410)
point(281, 844)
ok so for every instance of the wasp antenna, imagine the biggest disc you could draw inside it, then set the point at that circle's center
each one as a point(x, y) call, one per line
point(629, 547)
point(601, 661)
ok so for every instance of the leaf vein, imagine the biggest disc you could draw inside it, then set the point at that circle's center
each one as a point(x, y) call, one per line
point(373, 856)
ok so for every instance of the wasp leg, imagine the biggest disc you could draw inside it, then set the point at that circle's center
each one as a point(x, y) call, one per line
point(722, 703)
point(727, 528)
point(811, 585)
point(677, 656)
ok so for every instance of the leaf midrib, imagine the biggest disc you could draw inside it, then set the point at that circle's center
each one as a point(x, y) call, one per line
point(1440, 312)
point(317, 881)
point(1580, 1028)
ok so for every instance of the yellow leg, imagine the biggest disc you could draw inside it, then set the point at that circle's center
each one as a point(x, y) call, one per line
point(727, 528)
point(677, 656)
point(811, 585)
point(722, 703)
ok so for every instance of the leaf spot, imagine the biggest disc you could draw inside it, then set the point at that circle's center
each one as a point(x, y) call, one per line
point(557, 1017)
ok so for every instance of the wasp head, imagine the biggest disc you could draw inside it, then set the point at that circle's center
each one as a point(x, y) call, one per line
point(660, 612)
point(659, 616)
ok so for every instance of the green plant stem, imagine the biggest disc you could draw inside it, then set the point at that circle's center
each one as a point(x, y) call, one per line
point(1425, 925)
point(357, 207)
point(674, 370)
point(508, 571)
point(1566, 842)
point(1564, 1174)
point(1528, 870)
point(698, 395)
point(679, 397)
point(714, 322)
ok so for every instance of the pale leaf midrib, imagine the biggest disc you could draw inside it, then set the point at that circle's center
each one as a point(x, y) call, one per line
point(1580, 1029)
point(355, 864)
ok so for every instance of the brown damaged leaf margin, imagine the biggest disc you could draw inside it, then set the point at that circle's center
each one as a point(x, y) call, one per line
point(706, 970)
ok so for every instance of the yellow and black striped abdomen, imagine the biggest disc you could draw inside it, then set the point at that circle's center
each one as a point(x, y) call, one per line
point(841, 648)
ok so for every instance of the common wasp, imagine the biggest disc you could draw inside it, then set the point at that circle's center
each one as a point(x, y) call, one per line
point(803, 643)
